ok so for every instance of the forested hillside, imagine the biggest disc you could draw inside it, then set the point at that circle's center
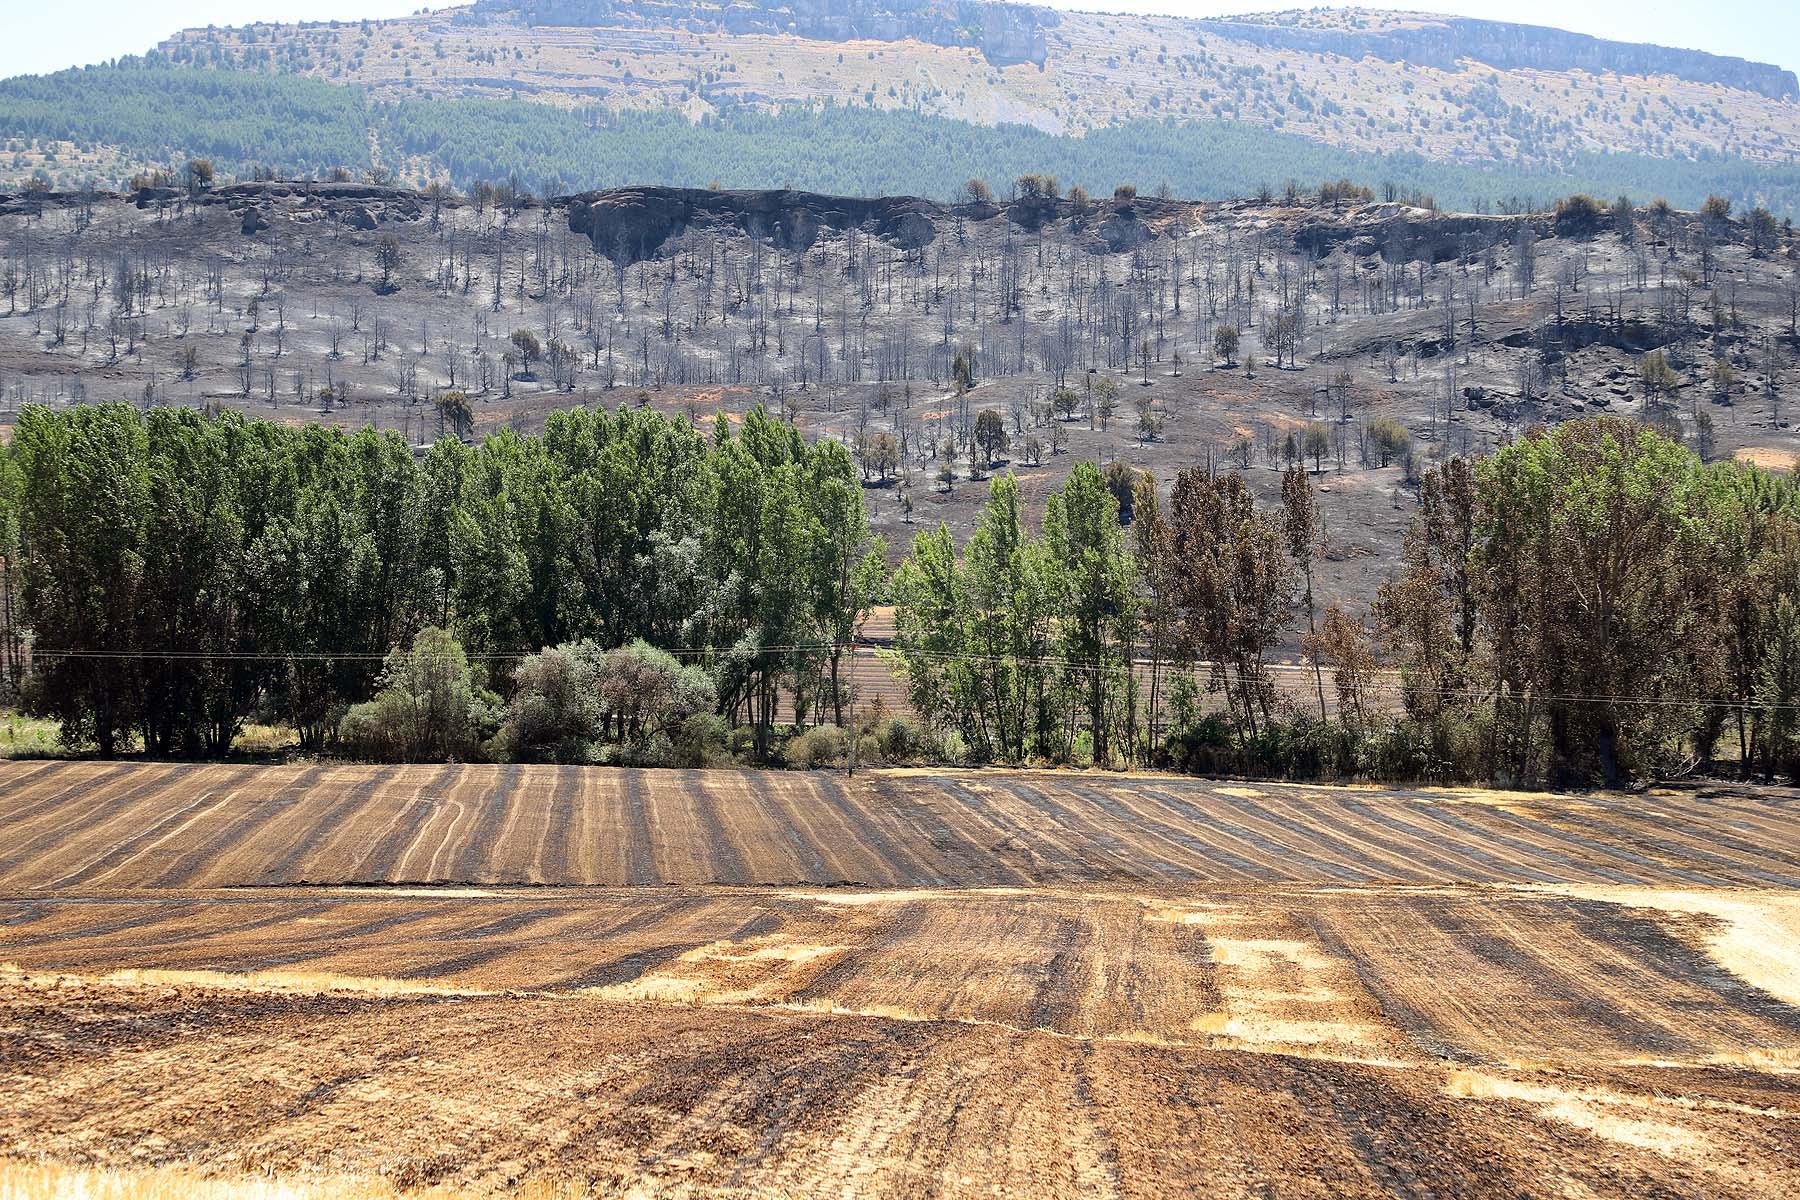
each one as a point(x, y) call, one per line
point(155, 116)
point(134, 116)
point(902, 98)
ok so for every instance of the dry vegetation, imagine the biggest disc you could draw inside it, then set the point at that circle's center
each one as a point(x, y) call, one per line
point(1050, 984)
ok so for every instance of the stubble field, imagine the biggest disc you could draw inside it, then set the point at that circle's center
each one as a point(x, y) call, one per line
point(339, 980)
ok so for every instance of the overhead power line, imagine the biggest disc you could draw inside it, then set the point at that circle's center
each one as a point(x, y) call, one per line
point(1391, 681)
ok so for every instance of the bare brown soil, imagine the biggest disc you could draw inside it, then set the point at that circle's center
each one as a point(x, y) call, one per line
point(914, 983)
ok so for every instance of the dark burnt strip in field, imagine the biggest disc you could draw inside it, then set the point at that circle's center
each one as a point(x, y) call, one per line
point(1481, 976)
point(84, 824)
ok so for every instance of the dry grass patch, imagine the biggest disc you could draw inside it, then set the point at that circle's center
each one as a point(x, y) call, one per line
point(54, 1181)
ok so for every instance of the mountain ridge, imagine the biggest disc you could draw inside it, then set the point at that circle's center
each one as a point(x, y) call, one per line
point(1443, 40)
point(557, 91)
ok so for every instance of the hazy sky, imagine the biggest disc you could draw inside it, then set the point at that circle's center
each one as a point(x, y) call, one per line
point(47, 35)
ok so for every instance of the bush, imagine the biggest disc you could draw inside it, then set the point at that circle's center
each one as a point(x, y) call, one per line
point(1579, 216)
point(1081, 749)
point(645, 691)
point(1202, 746)
point(554, 714)
point(1300, 747)
point(634, 705)
point(901, 739)
point(702, 741)
point(820, 746)
point(431, 707)
point(656, 749)
point(1401, 751)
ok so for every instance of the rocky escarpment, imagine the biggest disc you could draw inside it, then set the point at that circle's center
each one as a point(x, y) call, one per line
point(1400, 233)
point(631, 224)
point(1443, 42)
point(360, 205)
point(260, 202)
point(1004, 32)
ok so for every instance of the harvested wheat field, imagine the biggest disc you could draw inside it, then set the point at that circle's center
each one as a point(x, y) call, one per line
point(336, 981)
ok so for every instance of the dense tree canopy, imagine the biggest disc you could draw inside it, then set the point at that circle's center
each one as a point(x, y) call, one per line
point(182, 574)
point(1593, 602)
point(1590, 603)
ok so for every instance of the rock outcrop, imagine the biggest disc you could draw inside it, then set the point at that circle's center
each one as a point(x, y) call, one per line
point(364, 206)
point(631, 224)
point(1400, 233)
point(1004, 32)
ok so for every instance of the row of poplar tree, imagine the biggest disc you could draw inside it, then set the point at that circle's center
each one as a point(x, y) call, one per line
point(180, 574)
point(1589, 603)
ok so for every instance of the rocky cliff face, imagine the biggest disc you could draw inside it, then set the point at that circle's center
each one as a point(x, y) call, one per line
point(1443, 42)
point(1401, 234)
point(1004, 32)
point(631, 224)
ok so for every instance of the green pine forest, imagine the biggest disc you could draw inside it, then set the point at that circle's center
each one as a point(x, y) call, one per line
point(159, 114)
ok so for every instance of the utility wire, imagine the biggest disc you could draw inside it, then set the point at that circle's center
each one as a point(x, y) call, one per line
point(1393, 683)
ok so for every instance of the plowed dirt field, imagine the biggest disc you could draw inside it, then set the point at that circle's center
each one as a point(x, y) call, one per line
point(349, 981)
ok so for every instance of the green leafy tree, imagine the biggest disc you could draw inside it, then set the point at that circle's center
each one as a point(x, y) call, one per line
point(990, 434)
point(973, 637)
point(1584, 540)
point(1225, 344)
point(431, 706)
point(1091, 581)
point(84, 499)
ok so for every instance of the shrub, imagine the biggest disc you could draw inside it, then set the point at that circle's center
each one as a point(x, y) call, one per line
point(431, 707)
point(554, 714)
point(1202, 746)
point(644, 691)
point(901, 739)
point(578, 703)
point(656, 749)
point(702, 741)
point(1579, 216)
point(1301, 747)
point(820, 746)
point(1081, 749)
point(950, 747)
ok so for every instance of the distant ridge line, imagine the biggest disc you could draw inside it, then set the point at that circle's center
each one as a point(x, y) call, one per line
point(1444, 42)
